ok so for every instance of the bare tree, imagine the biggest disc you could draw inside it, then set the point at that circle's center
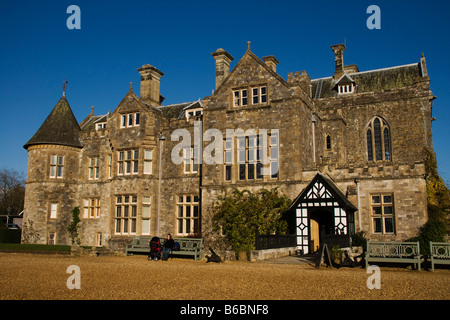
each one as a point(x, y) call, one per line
point(12, 191)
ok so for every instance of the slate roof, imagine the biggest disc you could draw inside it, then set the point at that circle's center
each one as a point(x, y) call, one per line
point(368, 81)
point(88, 124)
point(178, 110)
point(60, 128)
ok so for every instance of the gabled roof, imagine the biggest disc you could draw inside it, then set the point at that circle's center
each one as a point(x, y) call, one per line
point(60, 128)
point(131, 102)
point(322, 189)
point(90, 121)
point(345, 79)
point(250, 54)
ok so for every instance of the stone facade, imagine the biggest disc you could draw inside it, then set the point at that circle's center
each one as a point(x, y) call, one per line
point(366, 131)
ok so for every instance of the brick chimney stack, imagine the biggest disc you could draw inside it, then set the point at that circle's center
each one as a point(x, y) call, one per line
point(338, 50)
point(223, 60)
point(150, 84)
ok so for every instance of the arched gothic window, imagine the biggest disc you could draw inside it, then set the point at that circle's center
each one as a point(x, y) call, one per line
point(328, 142)
point(378, 140)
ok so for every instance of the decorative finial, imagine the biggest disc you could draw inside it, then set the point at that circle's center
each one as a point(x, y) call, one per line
point(131, 86)
point(92, 110)
point(64, 87)
point(248, 45)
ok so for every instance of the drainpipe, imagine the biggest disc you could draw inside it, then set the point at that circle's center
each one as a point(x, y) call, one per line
point(162, 138)
point(313, 119)
point(359, 204)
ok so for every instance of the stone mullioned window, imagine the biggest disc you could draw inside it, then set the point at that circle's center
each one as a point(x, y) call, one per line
point(187, 214)
point(56, 166)
point(254, 95)
point(382, 208)
point(126, 214)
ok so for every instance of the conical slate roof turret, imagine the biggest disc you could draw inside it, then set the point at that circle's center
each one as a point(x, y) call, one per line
point(60, 128)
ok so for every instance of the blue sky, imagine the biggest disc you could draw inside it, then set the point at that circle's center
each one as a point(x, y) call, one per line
point(38, 52)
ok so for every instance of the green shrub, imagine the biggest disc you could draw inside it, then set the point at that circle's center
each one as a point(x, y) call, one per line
point(10, 235)
point(433, 230)
point(240, 214)
point(359, 240)
point(74, 226)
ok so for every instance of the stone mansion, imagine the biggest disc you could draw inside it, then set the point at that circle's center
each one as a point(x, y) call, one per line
point(348, 149)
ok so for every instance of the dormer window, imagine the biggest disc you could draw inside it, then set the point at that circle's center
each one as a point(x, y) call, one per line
point(193, 113)
point(345, 85)
point(100, 126)
point(346, 88)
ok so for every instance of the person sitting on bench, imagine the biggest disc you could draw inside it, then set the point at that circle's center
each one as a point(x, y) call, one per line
point(168, 247)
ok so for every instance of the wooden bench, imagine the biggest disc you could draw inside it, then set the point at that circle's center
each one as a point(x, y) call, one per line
point(140, 244)
point(397, 252)
point(439, 253)
point(188, 246)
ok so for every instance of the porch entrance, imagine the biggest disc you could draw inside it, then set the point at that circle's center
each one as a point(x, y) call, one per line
point(321, 212)
point(321, 224)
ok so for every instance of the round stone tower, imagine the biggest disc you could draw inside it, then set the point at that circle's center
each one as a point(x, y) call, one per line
point(52, 177)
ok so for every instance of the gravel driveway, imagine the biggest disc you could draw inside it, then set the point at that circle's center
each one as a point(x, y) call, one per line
point(44, 276)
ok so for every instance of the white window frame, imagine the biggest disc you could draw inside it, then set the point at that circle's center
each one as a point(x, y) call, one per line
point(94, 168)
point(137, 119)
point(236, 98)
point(241, 157)
point(127, 162)
point(146, 214)
point(185, 214)
point(91, 208)
point(128, 120)
point(56, 166)
point(274, 158)
point(193, 113)
point(125, 218)
point(148, 163)
point(189, 160)
point(263, 96)
point(258, 96)
point(109, 166)
point(346, 88)
point(240, 97)
point(228, 157)
point(53, 211)
point(100, 126)
point(382, 215)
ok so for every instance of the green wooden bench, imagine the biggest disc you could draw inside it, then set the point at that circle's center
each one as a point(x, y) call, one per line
point(394, 251)
point(140, 244)
point(188, 246)
point(439, 253)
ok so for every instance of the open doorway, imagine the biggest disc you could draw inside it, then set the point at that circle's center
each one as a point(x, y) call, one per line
point(321, 224)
